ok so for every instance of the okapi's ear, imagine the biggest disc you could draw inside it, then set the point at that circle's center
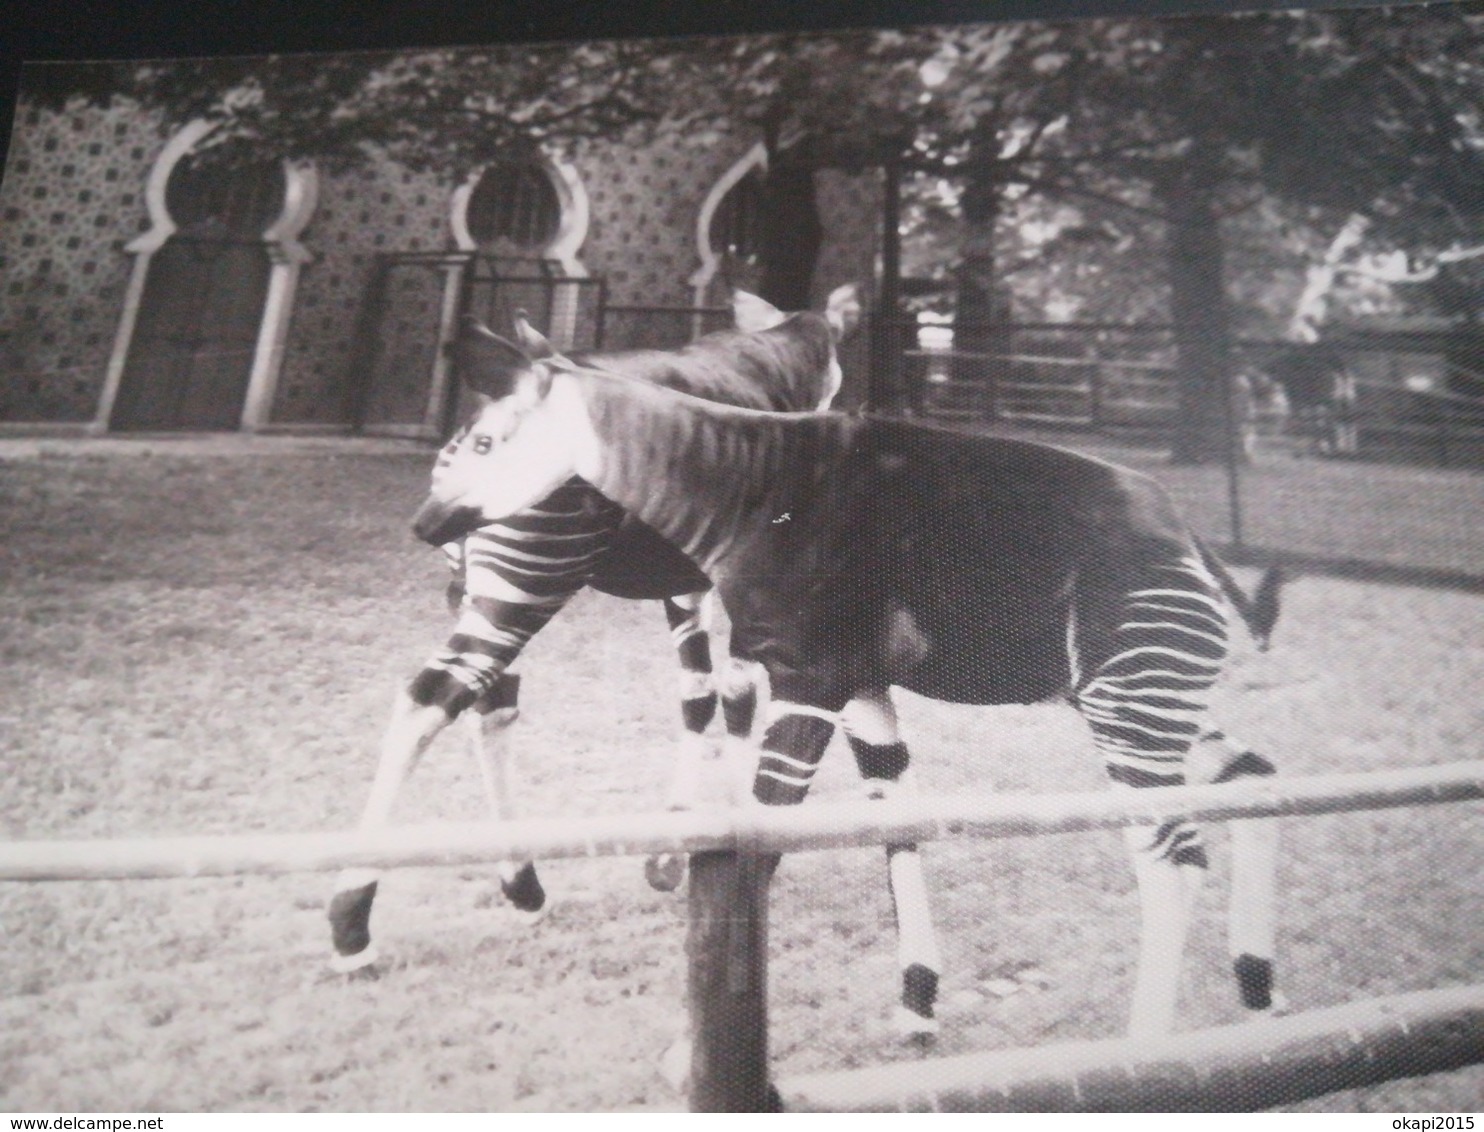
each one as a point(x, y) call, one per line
point(535, 384)
point(752, 313)
point(532, 386)
point(531, 340)
point(842, 310)
point(484, 361)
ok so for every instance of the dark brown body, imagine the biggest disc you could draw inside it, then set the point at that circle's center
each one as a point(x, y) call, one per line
point(884, 552)
point(854, 554)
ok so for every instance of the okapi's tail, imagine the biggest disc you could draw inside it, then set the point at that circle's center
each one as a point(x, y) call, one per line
point(1258, 612)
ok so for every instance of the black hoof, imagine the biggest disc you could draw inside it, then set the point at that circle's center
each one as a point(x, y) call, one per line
point(913, 1018)
point(525, 891)
point(665, 872)
point(1255, 981)
point(919, 989)
point(350, 920)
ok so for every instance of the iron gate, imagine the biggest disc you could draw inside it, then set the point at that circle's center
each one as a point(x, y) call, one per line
point(399, 383)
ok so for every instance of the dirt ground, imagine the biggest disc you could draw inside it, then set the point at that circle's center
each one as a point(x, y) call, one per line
point(203, 637)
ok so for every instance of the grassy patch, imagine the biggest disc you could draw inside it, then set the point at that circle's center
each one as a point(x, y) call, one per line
point(197, 644)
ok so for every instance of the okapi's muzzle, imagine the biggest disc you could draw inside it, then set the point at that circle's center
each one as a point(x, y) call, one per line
point(438, 523)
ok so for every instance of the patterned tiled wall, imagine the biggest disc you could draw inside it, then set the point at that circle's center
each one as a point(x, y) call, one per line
point(381, 208)
point(71, 198)
point(641, 238)
point(644, 205)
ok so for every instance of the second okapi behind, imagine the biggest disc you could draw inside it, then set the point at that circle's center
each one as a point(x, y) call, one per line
point(853, 554)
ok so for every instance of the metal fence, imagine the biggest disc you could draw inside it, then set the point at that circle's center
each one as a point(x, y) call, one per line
point(1068, 375)
point(398, 382)
point(1125, 378)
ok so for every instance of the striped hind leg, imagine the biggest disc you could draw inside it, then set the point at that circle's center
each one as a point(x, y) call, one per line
point(1252, 910)
point(688, 630)
point(870, 723)
point(1151, 655)
point(1169, 867)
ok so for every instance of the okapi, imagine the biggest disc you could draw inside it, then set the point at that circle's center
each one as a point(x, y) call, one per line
point(515, 574)
point(855, 553)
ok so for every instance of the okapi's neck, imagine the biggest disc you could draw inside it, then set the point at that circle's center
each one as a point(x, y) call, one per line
point(705, 476)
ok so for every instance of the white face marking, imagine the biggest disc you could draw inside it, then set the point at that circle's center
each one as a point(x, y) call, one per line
point(512, 454)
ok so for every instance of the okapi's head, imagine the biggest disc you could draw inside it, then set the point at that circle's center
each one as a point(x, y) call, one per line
point(518, 445)
point(842, 312)
point(527, 436)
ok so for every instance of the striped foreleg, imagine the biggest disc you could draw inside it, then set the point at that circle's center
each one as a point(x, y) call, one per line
point(1252, 912)
point(697, 695)
point(793, 744)
point(684, 613)
point(489, 634)
point(870, 723)
point(412, 730)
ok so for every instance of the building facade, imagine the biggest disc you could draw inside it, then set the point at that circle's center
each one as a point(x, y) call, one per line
point(142, 289)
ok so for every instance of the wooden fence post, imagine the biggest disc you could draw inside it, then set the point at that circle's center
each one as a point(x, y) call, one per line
point(727, 949)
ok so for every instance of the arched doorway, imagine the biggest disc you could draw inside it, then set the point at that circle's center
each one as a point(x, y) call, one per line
point(759, 229)
point(517, 225)
point(728, 230)
point(193, 344)
point(525, 218)
point(735, 235)
point(514, 211)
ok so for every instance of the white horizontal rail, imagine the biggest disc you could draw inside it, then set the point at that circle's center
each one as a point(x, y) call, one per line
point(1237, 1068)
point(757, 828)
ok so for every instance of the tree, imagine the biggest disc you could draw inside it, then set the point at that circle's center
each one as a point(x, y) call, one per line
point(815, 101)
point(996, 94)
point(1185, 123)
point(1198, 120)
point(443, 108)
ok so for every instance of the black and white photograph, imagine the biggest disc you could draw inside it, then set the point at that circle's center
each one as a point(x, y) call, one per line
point(922, 563)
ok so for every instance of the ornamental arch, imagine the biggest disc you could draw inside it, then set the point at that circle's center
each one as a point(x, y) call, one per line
point(201, 336)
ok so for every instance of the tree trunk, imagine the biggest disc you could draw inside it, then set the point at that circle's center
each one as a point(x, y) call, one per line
point(791, 233)
point(893, 385)
point(981, 314)
point(1204, 431)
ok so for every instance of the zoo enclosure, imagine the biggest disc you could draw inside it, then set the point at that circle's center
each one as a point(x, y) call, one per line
point(1288, 1059)
point(1113, 377)
point(1106, 377)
